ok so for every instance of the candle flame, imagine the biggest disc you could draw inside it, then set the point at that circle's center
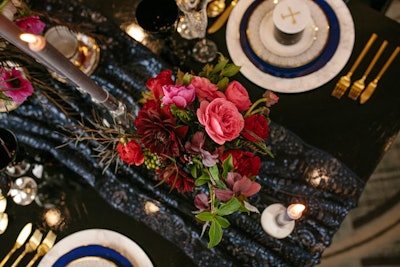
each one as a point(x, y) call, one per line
point(295, 211)
point(28, 38)
point(36, 42)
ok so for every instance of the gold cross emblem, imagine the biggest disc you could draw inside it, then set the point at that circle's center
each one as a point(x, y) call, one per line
point(291, 14)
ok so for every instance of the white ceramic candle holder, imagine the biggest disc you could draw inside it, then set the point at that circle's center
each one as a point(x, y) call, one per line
point(278, 221)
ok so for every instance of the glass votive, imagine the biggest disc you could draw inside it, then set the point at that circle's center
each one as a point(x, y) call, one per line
point(290, 18)
point(64, 40)
point(158, 17)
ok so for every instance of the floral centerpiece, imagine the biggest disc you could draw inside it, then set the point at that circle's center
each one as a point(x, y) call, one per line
point(202, 132)
point(15, 88)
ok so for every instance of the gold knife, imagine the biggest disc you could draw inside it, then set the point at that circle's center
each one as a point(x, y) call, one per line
point(372, 85)
point(22, 237)
point(223, 18)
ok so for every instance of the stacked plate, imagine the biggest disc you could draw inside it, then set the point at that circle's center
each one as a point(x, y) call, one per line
point(96, 248)
point(321, 53)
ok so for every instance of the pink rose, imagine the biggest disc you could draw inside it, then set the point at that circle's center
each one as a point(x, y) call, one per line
point(179, 95)
point(155, 84)
point(222, 120)
point(237, 94)
point(31, 24)
point(206, 89)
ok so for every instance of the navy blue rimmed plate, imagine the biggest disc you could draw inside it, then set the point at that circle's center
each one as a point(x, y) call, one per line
point(291, 72)
point(89, 251)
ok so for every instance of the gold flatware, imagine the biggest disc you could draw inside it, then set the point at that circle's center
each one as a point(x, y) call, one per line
point(215, 8)
point(223, 18)
point(344, 81)
point(3, 222)
point(359, 85)
point(372, 85)
point(31, 246)
point(43, 248)
point(22, 237)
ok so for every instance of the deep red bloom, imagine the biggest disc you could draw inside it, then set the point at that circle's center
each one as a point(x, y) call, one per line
point(244, 162)
point(177, 179)
point(131, 152)
point(31, 24)
point(255, 128)
point(155, 84)
point(157, 129)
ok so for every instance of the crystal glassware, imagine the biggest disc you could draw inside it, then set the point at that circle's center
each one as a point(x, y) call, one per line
point(193, 25)
point(23, 189)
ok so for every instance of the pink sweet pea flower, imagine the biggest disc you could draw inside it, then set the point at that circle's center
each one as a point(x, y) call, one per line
point(14, 85)
point(31, 24)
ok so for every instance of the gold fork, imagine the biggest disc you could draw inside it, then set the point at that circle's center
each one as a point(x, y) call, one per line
point(344, 81)
point(372, 85)
point(22, 237)
point(31, 246)
point(43, 248)
point(358, 86)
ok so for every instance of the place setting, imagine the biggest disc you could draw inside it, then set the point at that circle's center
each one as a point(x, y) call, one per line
point(290, 46)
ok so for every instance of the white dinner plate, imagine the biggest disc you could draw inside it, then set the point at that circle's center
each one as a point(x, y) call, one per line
point(290, 79)
point(74, 249)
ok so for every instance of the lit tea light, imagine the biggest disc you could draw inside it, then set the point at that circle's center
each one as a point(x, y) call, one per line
point(279, 221)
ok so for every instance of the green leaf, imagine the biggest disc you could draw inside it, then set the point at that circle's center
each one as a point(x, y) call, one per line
point(214, 234)
point(230, 70)
point(205, 216)
point(229, 207)
point(227, 166)
point(214, 172)
point(223, 83)
point(220, 65)
point(202, 180)
point(222, 221)
point(193, 171)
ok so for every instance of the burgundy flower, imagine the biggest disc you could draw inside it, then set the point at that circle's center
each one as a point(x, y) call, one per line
point(255, 128)
point(155, 84)
point(131, 152)
point(31, 24)
point(14, 85)
point(158, 131)
point(201, 202)
point(177, 179)
point(238, 185)
point(195, 147)
point(244, 162)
